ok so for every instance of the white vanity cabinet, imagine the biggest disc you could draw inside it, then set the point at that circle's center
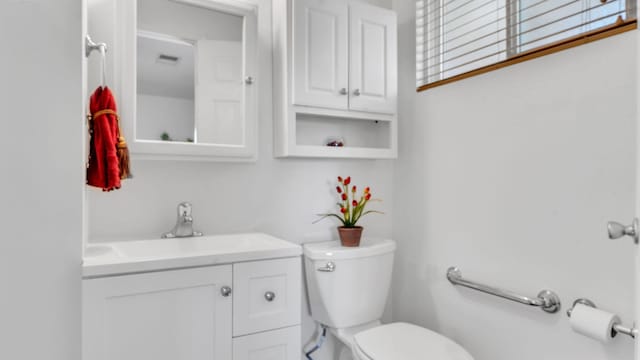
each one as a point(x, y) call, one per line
point(335, 76)
point(166, 315)
point(244, 310)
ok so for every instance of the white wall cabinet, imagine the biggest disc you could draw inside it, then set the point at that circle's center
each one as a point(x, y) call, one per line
point(373, 61)
point(186, 314)
point(321, 55)
point(335, 76)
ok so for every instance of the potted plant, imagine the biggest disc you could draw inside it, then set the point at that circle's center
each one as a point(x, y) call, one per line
point(352, 208)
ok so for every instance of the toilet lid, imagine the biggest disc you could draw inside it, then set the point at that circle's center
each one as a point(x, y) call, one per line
point(402, 341)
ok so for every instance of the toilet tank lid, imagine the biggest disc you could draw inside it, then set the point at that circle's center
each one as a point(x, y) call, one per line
point(406, 341)
point(332, 250)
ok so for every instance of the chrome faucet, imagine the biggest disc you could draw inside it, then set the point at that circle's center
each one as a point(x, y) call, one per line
point(184, 224)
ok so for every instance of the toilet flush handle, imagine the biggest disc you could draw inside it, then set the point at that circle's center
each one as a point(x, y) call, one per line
point(329, 267)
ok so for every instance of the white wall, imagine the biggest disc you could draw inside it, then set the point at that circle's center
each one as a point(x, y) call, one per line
point(276, 196)
point(42, 179)
point(187, 22)
point(512, 176)
point(158, 114)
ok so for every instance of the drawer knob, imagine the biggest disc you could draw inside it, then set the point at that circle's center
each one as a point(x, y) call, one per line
point(269, 296)
point(225, 291)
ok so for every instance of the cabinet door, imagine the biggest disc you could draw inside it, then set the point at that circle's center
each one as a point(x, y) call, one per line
point(283, 344)
point(166, 315)
point(373, 55)
point(320, 53)
point(267, 295)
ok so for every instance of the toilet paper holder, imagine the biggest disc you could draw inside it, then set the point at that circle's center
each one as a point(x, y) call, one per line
point(617, 328)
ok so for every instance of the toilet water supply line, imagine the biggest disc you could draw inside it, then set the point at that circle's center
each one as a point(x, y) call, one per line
point(319, 342)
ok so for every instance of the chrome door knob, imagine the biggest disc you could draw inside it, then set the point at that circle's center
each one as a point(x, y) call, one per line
point(225, 291)
point(343, 91)
point(617, 230)
point(356, 92)
point(269, 296)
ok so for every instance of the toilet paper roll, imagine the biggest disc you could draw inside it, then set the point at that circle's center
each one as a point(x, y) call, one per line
point(594, 323)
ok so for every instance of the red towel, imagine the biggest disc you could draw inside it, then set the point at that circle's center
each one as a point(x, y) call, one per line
point(103, 170)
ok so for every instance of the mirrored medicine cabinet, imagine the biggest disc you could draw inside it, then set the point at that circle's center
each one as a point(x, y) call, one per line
point(187, 74)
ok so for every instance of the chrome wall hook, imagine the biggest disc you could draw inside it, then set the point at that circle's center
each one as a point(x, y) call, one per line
point(90, 46)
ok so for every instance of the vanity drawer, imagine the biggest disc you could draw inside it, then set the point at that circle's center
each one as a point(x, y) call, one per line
point(281, 344)
point(267, 295)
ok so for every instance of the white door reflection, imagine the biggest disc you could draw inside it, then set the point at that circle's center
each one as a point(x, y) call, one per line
point(219, 92)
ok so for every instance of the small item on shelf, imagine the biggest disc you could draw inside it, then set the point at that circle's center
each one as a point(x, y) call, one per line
point(351, 210)
point(165, 137)
point(335, 141)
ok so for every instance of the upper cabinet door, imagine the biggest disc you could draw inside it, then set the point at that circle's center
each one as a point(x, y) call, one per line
point(373, 67)
point(321, 57)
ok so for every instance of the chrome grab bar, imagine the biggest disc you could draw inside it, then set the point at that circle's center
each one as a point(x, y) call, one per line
point(547, 300)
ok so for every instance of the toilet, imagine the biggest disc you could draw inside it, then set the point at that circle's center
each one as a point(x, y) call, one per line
point(348, 289)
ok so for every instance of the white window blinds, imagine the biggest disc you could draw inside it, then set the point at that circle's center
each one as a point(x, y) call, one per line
point(456, 37)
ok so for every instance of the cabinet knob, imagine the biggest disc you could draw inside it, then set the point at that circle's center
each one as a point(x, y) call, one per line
point(269, 296)
point(343, 91)
point(248, 80)
point(225, 291)
point(356, 92)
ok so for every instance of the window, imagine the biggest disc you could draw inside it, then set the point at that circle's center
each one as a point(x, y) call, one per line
point(456, 39)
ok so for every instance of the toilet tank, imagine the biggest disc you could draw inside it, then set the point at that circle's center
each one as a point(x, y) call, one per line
point(354, 290)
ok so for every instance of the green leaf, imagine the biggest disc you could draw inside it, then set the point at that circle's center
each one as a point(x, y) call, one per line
point(324, 216)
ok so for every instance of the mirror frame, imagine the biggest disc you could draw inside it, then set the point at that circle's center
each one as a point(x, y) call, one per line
point(125, 68)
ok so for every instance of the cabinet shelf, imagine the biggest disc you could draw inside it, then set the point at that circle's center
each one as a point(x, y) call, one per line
point(315, 151)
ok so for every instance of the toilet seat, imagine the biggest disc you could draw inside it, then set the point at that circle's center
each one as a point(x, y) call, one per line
point(403, 341)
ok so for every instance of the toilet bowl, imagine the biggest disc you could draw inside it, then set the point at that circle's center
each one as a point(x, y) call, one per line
point(348, 289)
point(399, 340)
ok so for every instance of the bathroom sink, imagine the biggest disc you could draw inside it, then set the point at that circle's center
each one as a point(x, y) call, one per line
point(121, 257)
point(99, 250)
point(194, 246)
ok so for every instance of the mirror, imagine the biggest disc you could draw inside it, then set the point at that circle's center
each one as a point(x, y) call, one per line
point(194, 65)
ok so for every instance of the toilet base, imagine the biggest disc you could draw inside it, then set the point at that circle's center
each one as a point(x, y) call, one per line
point(345, 335)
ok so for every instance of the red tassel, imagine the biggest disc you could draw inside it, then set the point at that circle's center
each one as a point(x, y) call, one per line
point(123, 158)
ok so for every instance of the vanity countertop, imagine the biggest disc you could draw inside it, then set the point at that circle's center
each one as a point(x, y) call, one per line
point(125, 257)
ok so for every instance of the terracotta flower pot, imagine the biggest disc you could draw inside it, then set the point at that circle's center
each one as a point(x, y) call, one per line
point(350, 236)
